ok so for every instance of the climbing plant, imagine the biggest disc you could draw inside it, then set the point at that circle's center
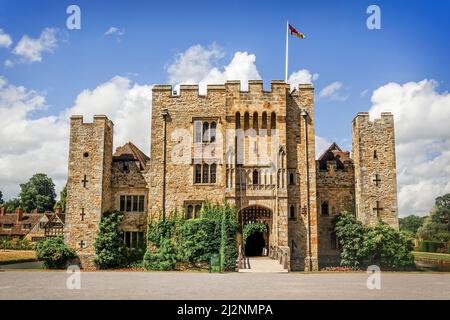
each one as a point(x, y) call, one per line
point(251, 228)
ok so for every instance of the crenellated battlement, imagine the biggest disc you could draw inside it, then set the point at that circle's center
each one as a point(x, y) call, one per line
point(78, 120)
point(385, 119)
point(231, 86)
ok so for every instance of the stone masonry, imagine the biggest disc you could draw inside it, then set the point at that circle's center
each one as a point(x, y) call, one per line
point(254, 149)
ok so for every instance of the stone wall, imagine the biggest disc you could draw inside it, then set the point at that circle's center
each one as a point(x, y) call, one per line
point(88, 184)
point(374, 159)
point(336, 188)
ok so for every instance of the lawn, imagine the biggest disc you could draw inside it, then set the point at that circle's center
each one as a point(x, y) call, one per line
point(430, 255)
point(13, 256)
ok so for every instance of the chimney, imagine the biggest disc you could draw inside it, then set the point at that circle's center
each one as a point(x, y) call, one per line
point(2, 211)
point(58, 210)
point(19, 213)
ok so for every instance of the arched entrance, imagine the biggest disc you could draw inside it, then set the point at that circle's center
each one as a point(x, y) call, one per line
point(257, 243)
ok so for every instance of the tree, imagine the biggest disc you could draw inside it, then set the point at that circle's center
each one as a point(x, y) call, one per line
point(38, 193)
point(411, 224)
point(12, 204)
point(436, 226)
point(109, 247)
point(62, 200)
point(1, 198)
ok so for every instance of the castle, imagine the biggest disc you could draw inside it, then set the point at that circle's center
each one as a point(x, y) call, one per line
point(254, 149)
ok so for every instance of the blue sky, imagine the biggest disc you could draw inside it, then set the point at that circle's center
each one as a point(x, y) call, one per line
point(412, 45)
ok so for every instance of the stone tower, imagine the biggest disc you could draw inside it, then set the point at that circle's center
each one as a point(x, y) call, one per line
point(375, 169)
point(89, 183)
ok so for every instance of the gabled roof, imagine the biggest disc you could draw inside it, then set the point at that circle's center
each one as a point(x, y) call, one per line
point(334, 152)
point(129, 152)
point(17, 229)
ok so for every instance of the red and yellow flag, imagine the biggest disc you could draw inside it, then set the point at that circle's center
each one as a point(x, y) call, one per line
point(294, 32)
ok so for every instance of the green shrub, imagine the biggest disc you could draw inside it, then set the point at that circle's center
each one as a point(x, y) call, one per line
point(364, 245)
point(16, 244)
point(431, 246)
point(110, 249)
point(193, 241)
point(163, 258)
point(54, 253)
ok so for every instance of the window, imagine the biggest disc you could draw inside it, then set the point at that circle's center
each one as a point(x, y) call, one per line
point(8, 225)
point(198, 131)
point(255, 121)
point(189, 211)
point(205, 173)
point(198, 173)
point(375, 156)
point(292, 212)
point(273, 121)
point(205, 178)
point(132, 203)
point(264, 120)
point(197, 210)
point(291, 178)
point(213, 132)
point(246, 121)
point(213, 169)
point(238, 120)
point(125, 166)
point(255, 177)
point(134, 239)
point(205, 133)
point(26, 226)
point(324, 208)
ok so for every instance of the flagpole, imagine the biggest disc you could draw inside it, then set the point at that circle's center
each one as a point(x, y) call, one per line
point(287, 51)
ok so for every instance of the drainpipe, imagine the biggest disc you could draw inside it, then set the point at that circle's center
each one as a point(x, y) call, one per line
point(305, 116)
point(165, 115)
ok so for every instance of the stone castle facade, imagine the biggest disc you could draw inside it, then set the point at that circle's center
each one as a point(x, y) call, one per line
point(254, 149)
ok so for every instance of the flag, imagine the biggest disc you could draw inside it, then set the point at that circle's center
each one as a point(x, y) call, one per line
point(296, 33)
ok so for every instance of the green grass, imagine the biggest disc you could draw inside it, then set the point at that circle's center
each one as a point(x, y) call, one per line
point(14, 256)
point(431, 255)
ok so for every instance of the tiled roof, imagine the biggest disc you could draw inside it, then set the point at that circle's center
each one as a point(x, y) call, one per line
point(17, 228)
point(129, 152)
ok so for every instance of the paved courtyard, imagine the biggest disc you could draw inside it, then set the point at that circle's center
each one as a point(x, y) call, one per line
point(187, 285)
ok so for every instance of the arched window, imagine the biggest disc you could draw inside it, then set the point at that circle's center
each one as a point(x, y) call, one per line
point(190, 212)
point(205, 173)
point(238, 120)
point(292, 212)
point(198, 131)
point(264, 120)
point(213, 173)
point(255, 177)
point(375, 156)
point(324, 208)
point(213, 131)
point(291, 178)
point(246, 121)
point(255, 121)
point(205, 132)
point(273, 121)
point(198, 173)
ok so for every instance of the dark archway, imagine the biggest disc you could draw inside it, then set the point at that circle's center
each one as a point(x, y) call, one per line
point(255, 244)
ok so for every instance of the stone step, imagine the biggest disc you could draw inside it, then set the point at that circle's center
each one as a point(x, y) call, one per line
point(262, 264)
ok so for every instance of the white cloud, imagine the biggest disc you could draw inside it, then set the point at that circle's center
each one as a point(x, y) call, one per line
point(114, 30)
point(364, 93)
point(5, 39)
point(8, 63)
point(322, 144)
point(30, 50)
point(422, 117)
point(198, 65)
point(31, 144)
point(302, 76)
point(333, 92)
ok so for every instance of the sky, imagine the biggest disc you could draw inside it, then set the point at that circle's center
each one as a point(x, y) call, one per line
point(48, 72)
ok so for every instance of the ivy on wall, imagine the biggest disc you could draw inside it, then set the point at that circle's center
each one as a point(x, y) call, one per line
point(251, 228)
